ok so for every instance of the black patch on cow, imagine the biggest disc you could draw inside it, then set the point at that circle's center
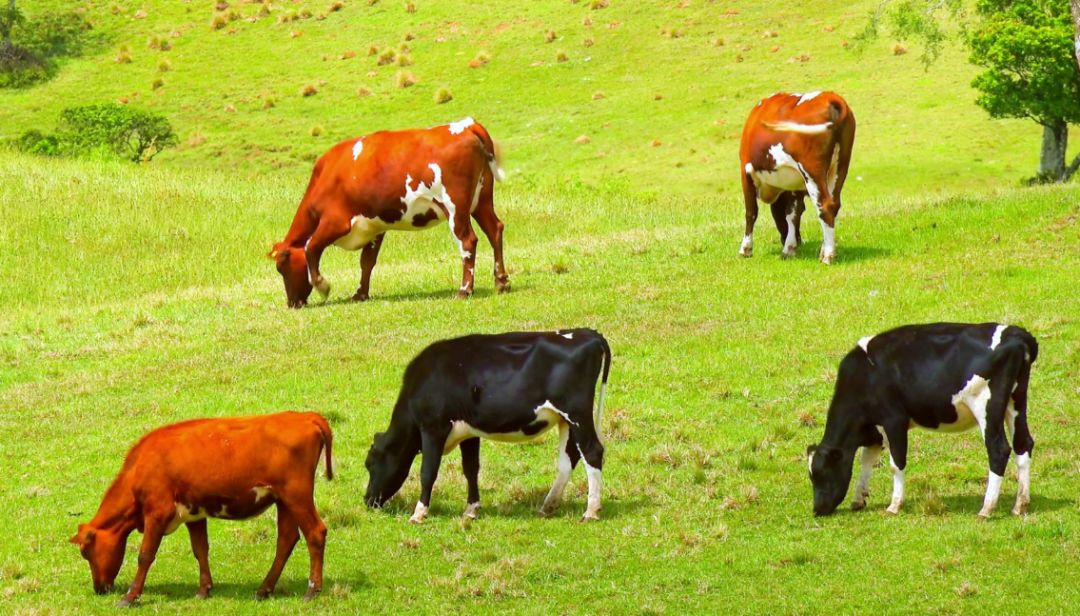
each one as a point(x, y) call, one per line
point(426, 218)
point(476, 391)
point(392, 215)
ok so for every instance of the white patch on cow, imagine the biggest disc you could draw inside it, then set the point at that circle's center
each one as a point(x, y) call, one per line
point(476, 194)
point(870, 457)
point(456, 128)
point(1023, 489)
point(993, 491)
point(184, 514)
point(749, 168)
point(567, 335)
point(790, 242)
point(461, 430)
point(970, 404)
point(828, 242)
point(422, 201)
point(472, 511)
point(562, 475)
point(548, 406)
point(995, 340)
point(419, 514)
point(357, 148)
point(897, 487)
point(787, 174)
point(864, 342)
point(808, 96)
point(785, 126)
point(747, 247)
point(595, 477)
point(810, 463)
point(496, 170)
point(261, 492)
point(834, 169)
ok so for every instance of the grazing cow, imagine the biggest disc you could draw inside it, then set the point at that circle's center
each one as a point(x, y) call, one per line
point(409, 180)
point(233, 469)
point(945, 377)
point(794, 145)
point(507, 387)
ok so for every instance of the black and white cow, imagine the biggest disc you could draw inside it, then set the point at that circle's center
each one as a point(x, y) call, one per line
point(509, 387)
point(946, 377)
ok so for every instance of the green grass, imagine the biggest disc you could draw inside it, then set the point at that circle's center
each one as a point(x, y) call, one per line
point(137, 296)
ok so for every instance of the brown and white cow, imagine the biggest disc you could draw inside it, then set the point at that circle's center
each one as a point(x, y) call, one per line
point(794, 145)
point(408, 180)
point(232, 468)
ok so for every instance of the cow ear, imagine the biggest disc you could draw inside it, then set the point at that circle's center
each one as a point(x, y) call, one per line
point(85, 536)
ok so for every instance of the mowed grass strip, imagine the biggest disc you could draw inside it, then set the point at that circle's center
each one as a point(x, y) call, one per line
point(141, 297)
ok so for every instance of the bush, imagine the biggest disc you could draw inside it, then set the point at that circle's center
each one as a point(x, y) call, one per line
point(37, 142)
point(29, 48)
point(130, 133)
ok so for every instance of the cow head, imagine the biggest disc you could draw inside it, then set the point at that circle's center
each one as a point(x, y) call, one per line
point(104, 550)
point(388, 467)
point(830, 472)
point(292, 265)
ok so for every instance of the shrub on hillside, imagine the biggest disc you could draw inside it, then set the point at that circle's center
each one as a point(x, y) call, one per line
point(29, 48)
point(109, 129)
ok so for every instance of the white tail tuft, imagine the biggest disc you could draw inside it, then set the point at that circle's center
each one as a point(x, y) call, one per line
point(795, 127)
point(600, 410)
point(496, 170)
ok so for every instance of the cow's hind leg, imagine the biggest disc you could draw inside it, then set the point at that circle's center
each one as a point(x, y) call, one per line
point(1023, 443)
point(784, 214)
point(288, 533)
point(592, 454)
point(484, 213)
point(746, 249)
point(818, 189)
point(368, 256)
point(568, 457)
point(470, 465)
point(895, 436)
point(200, 547)
point(457, 214)
point(302, 508)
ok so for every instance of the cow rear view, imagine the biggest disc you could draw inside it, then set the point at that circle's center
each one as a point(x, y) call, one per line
point(231, 468)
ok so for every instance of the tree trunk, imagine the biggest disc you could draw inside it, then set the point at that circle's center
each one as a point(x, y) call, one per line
point(1052, 162)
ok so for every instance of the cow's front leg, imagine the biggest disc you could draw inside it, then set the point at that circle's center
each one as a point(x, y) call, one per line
point(431, 447)
point(329, 230)
point(870, 456)
point(288, 533)
point(564, 467)
point(155, 524)
point(368, 256)
point(200, 547)
point(470, 465)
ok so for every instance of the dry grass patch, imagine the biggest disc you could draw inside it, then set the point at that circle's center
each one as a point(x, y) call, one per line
point(561, 56)
point(219, 21)
point(481, 59)
point(316, 131)
point(363, 91)
point(443, 95)
point(899, 49)
point(388, 56)
point(309, 90)
point(550, 36)
point(404, 79)
point(404, 60)
point(157, 84)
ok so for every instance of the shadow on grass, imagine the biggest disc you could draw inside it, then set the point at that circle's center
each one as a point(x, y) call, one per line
point(288, 587)
point(524, 508)
point(412, 296)
point(845, 253)
point(973, 504)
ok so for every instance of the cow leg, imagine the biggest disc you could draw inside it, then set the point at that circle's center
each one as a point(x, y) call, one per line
point(784, 213)
point(431, 448)
point(314, 530)
point(457, 214)
point(200, 547)
point(328, 231)
point(800, 207)
point(592, 453)
point(153, 531)
point(368, 256)
point(818, 189)
point(990, 415)
point(288, 533)
point(470, 464)
point(1023, 443)
point(565, 466)
point(484, 213)
point(896, 439)
point(871, 454)
point(746, 249)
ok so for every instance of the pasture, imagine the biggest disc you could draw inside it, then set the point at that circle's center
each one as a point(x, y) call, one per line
point(140, 295)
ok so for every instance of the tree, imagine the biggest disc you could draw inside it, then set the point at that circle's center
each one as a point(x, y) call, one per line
point(1031, 69)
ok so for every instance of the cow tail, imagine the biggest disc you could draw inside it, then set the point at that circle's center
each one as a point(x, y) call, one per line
point(1029, 342)
point(603, 384)
point(328, 443)
point(491, 150)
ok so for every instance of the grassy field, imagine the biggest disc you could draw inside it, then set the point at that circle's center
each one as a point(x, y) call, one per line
point(137, 296)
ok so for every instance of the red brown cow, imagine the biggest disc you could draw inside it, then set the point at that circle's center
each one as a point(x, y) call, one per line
point(410, 180)
point(232, 468)
point(795, 145)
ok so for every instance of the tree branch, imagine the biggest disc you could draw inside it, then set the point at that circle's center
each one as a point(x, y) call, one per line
point(1073, 167)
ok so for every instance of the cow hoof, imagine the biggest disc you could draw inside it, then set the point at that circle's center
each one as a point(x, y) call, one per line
point(416, 520)
point(589, 517)
point(360, 297)
point(125, 602)
point(983, 516)
point(858, 505)
point(827, 258)
point(788, 254)
point(464, 294)
point(262, 594)
point(472, 511)
point(311, 594)
point(746, 253)
point(1020, 509)
point(546, 511)
point(503, 287)
point(202, 594)
point(892, 511)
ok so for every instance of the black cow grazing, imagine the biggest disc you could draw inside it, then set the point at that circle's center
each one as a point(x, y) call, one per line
point(946, 377)
point(507, 387)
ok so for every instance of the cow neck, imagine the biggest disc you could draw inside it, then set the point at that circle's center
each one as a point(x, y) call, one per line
point(841, 429)
point(302, 227)
point(118, 509)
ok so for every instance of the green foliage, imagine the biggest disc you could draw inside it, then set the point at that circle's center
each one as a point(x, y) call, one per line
point(1026, 48)
point(30, 48)
point(130, 133)
point(36, 142)
point(923, 21)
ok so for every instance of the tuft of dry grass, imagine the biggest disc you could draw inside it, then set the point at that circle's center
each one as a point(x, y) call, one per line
point(404, 79)
point(588, 42)
point(899, 49)
point(582, 139)
point(373, 50)
point(587, 22)
point(164, 66)
point(966, 589)
point(269, 103)
point(309, 90)
point(807, 419)
point(561, 56)
point(316, 130)
point(550, 36)
point(770, 34)
point(409, 36)
point(718, 42)
point(410, 7)
point(230, 108)
point(363, 91)
point(443, 95)
point(481, 59)
point(388, 56)
point(335, 7)
point(348, 54)
point(157, 84)
point(219, 21)
point(221, 5)
point(404, 60)
point(800, 58)
point(598, 95)
point(598, 4)
point(123, 56)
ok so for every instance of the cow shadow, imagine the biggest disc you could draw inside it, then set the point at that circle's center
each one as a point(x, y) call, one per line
point(525, 507)
point(973, 504)
point(288, 587)
point(845, 253)
point(413, 296)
